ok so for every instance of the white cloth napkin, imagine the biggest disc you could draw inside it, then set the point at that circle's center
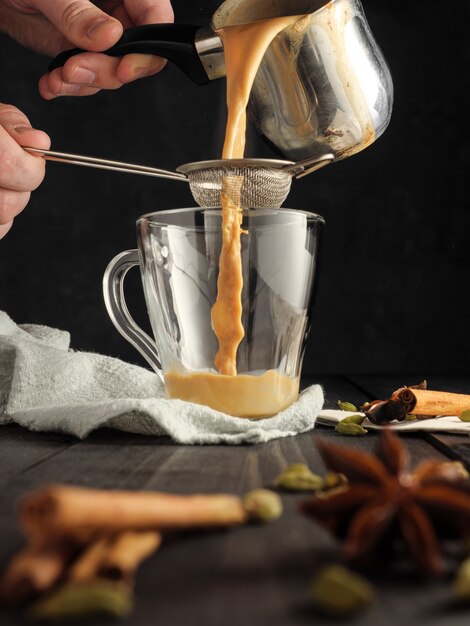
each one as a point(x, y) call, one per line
point(448, 424)
point(45, 386)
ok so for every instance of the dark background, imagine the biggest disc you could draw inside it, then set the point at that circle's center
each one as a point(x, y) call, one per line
point(393, 293)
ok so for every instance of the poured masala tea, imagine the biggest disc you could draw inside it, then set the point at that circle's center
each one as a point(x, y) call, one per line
point(245, 395)
point(244, 48)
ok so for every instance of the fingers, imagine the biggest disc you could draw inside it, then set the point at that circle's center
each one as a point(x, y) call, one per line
point(87, 73)
point(135, 66)
point(149, 11)
point(82, 23)
point(4, 228)
point(20, 172)
point(12, 203)
point(18, 126)
point(53, 84)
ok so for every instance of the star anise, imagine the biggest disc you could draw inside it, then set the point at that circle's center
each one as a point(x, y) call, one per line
point(385, 500)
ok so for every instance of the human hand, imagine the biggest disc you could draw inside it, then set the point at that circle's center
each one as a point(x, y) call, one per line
point(51, 27)
point(20, 172)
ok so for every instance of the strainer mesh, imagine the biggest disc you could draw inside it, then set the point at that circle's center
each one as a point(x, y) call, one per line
point(261, 187)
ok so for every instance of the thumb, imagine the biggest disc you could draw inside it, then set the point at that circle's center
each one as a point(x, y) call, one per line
point(82, 23)
point(31, 137)
point(19, 128)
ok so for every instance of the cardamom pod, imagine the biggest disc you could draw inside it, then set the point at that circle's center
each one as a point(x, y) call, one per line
point(262, 505)
point(299, 477)
point(346, 406)
point(350, 429)
point(410, 417)
point(94, 597)
point(334, 480)
point(458, 468)
point(465, 415)
point(461, 583)
point(340, 592)
point(354, 419)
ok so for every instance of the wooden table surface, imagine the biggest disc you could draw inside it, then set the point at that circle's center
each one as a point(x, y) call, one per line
point(242, 577)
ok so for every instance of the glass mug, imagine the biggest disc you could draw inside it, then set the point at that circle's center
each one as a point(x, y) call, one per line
point(178, 255)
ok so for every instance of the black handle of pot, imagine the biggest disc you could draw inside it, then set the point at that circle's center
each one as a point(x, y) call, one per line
point(174, 42)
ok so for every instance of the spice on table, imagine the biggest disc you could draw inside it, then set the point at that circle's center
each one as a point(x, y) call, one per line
point(299, 477)
point(428, 403)
point(424, 506)
point(357, 418)
point(339, 592)
point(115, 557)
point(35, 569)
point(88, 562)
point(461, 585)
point(262, 505)
point(95, 597)
point(416, 400)
point(386, 411)
point(65, 510)
point(350, 429)
point(333, 480)
point(88, 540)
point(465, 415)
point(352, 425)
point(346, 406)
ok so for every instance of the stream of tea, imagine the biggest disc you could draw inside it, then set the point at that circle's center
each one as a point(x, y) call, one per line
point(247, 395)
point(244, 48)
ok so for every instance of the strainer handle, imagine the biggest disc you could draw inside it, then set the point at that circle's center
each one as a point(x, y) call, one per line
point(113, 293)
point(308, 166)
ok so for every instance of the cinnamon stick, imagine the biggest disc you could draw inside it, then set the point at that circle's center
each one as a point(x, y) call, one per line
point(417, 400)
point(87, 564)
point(64, 510)
point(35, 570)
point(427, 402)
point(127, 552)
point(116, 557)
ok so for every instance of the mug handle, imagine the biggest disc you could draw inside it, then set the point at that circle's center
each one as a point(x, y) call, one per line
point(113, 293)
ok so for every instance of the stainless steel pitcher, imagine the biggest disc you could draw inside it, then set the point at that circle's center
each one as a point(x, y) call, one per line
point(323, 85)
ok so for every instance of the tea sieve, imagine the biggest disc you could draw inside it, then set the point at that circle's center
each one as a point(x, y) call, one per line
point(263, 183)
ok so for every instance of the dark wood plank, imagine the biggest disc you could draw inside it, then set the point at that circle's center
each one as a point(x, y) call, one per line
point(337, 388)
point(106, 459)
point(22, 449)
point(249, 576)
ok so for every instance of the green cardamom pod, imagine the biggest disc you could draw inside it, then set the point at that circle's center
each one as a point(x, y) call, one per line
point(94, 597)
point(354, 419)
point(461, 583)
point(465, 415)
point(346, 406)
point(262, 505)
point(340, 592)
point(410, 417)
point(334, 480)
point(350, 429)
point(299, 477)
point(298, 467)
point(458, 468)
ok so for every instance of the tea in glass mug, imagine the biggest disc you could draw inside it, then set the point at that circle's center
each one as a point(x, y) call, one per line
point(178, 255)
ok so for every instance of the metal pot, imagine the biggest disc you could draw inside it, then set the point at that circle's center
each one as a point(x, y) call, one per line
point(323, 85)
